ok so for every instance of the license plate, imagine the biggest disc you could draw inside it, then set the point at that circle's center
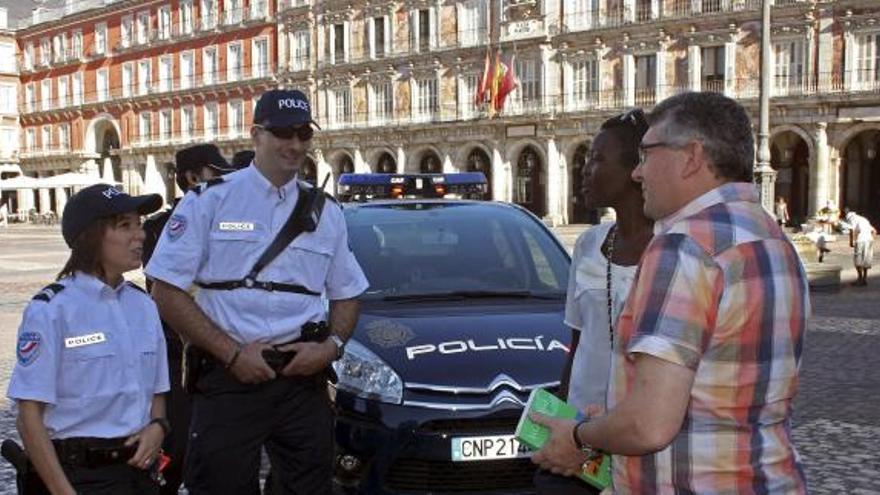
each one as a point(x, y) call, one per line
point(466, 449)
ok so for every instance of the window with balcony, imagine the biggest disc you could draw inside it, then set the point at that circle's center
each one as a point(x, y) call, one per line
point(469, 95)
point(233, 11)
point(127, 79)
point(100, 38)
point(166, 65)
point(63, 90)
point(30, 99)
point(164, 15)
point(209, 65)
point(126, 27)
point(46, 138)
point(45, 51)
point(379, 37)
point(29, 56)
point(712, 69)
point(144, 76)
point(145, 127)
point(7, 57)
point(426, 97)
point(585, 82)
point(646, 79)
point(77, 42)
point(143, 27)
point(102, 84)
point(64, 136)
point(301, 50)
point(581, 14)
point(341, 105)
point(260, 58)
point(165, 125)
point(187, 69)
point(233, 62)
point(210, 111)
point(788, 66)
point(185, 14)
point(472, 16)
point(8, 141)
point(339, 43)
point(422, 29)
point(208, 14)
point(382, 101)
point(46, 94)
point(259, 9)
point(528, 93)
point(867, 61)
point(30, 139)
point(77, 96)
point(187, 121)
point(7, 99)
point(57, 50)
point(236, 118)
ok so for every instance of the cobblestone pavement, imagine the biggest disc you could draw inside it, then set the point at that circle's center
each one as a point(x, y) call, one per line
point(837, 418)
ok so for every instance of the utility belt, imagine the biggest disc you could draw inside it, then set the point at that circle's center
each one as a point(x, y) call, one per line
point(251, 283)
point(197, 362)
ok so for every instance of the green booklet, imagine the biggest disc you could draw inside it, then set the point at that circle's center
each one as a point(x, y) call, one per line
point(597, 472)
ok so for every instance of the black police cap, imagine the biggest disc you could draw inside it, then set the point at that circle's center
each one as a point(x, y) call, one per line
point(101, 201)
point(195, 157)
point(242, 159)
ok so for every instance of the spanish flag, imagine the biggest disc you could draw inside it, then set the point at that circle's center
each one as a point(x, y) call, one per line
point(484, 82)
point(503, 82)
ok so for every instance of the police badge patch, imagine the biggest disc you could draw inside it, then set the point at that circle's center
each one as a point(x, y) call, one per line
point(176, 226)
point(28, 348)
point(387, 333)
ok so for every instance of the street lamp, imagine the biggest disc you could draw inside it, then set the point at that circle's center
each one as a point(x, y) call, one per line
point(765, 176)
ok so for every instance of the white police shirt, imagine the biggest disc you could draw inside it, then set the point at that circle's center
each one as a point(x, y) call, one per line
point(218, 235)
point(94, 354)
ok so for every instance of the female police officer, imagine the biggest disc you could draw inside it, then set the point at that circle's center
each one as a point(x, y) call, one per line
point(91, 357)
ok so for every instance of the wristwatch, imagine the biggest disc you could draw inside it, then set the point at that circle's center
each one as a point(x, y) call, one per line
point(163, 423)
point(340, 346)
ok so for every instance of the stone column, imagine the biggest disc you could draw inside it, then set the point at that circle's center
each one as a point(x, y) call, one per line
point(730, 67)
point(826, 49)
point(549, 78)
point(60, 200)
point(44, 200)
point(283, 48)
point(502, 182)
point(557, 194)
point(25, 200)
point(819, 169)
point(153, 181)
point(629, 80)
point(401, 160)
point(360, 165)
point(107, 170)
point(694, 67)
point(660, 83)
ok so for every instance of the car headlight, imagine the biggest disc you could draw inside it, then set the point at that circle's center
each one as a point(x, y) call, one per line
point(366, 375)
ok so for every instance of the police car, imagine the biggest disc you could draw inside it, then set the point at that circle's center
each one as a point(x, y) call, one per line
point(463, 318)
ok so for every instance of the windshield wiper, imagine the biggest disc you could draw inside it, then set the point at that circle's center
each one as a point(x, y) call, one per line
point(474, 294)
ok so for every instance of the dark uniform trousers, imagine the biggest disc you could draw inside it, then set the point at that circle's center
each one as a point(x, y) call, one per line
point(231, 421)
point(119, 479)
point(179, 410)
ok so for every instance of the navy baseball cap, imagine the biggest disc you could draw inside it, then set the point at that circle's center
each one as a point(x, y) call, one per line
point(283, 108)
point(242, 159)
point(198, 156)
point(101, 201)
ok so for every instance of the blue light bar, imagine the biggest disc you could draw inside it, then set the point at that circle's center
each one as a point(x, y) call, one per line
point(373, 186)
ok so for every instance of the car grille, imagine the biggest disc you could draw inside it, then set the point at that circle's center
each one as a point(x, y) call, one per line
point(465, 426)
point(502, 476)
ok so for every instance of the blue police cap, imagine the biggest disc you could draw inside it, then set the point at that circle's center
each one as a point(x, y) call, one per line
point(283, 108)
point(101, 201)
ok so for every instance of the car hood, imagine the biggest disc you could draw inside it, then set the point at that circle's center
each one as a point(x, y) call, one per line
point(471, 346)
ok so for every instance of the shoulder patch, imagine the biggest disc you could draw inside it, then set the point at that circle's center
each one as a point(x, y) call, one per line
point(28, 348)
point(204, 186)
point(135, 286)
point(48, 292)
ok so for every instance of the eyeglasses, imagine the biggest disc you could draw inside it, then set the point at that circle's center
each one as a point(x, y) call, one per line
point(643, 149)
point(303, 132)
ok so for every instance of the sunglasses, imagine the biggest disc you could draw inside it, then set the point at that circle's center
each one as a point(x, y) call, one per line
point(303, 132)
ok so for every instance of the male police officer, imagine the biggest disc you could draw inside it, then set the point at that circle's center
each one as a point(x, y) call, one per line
point(214, 239)
point(192, 165)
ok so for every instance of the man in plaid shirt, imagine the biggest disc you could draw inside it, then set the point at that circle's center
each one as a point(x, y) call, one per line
point(708, 347)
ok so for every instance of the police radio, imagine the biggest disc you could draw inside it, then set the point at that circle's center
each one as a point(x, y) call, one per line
point(313, 207)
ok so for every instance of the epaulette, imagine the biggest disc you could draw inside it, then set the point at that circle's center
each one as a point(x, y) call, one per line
point(135, 286)
point(204, 186)
point(48, 292)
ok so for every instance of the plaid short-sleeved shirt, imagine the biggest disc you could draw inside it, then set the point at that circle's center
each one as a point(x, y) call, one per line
point(722, 291)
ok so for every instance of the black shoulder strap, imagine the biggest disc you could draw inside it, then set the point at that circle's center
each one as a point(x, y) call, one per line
point(292, 228)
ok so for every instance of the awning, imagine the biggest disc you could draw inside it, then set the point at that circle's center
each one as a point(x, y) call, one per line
point(20, 182)
point(73, 179)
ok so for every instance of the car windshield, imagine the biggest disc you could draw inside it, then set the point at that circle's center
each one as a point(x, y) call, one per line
point(455, 250)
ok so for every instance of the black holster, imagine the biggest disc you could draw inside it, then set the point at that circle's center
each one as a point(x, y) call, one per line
point(191, 368)
point(27, 481)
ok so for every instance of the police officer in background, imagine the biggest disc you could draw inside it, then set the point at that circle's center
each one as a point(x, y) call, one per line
point(192, 165)
point(91, 369)
point(242, 159)
point(214, 239)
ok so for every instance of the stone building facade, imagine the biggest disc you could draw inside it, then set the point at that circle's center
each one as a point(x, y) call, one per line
point(393, 85)
point(8, 108)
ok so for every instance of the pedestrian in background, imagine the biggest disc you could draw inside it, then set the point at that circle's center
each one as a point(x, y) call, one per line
point(780, 209)
point(91, 366)
point(192, 165)
point(708, 346)
point(242, 314)
point(602, 270)
point(861, 239)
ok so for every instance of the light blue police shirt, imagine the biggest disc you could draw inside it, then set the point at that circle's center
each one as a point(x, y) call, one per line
point(94, 354)
point(219, 234)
